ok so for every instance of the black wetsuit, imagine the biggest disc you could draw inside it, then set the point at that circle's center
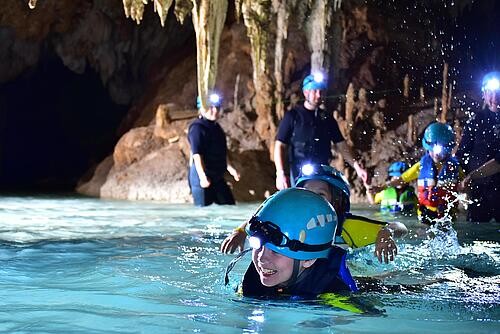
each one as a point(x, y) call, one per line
point(481, 143)
point(309, 135)
point(325, 275)
point(207, 139)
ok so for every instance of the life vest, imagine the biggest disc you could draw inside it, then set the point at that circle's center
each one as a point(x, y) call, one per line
point(433, 187)
point(359, 231)
point(392, 203)
point(326, 275)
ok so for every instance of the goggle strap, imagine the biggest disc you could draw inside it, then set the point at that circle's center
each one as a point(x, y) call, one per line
point(233, 262)
point(296, 245)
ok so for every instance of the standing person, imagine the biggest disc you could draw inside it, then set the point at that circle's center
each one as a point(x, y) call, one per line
point(480, 143)
point(208, 161)
point(307, 133)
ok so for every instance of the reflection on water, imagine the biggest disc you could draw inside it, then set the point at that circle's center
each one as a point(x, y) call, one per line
point(83, 265)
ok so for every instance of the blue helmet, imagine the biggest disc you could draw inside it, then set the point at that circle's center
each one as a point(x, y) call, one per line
point(214, 100)
point(491, 82)
point(296, 223)
point(314, 81)
point(397, 168)
point(340, 187)
point(439, 137)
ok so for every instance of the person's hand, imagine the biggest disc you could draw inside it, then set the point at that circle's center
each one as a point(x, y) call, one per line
point(233, 242)
point(234, 173)
point(282, 181)
point(385, 247)
point(204, 181)
point(362, 173)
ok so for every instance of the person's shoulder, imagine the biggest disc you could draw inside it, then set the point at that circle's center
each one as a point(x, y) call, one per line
point(197, 125)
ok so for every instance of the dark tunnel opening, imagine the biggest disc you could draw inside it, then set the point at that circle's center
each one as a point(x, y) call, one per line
point(54, 126)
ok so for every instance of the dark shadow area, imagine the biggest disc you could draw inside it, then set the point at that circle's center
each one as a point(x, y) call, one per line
point(54, 125)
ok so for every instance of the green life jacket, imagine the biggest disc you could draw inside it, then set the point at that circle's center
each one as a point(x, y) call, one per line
point(405, 203)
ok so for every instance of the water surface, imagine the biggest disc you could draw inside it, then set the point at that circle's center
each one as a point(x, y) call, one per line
point(79, 265)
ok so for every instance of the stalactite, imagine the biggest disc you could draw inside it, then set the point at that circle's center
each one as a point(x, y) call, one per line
point(444, 97)
point(282, 9)
point(450, 90)
point(436, 109)
point(161, 7)
point(363, 105)
point(422, 94)
point(318, 25)
point(410, 134)
point(257, 17)
point(349, 110)
point(208, 20)
point(182, 9)
point(406, 86)
point(134, 9)
point(236, 105)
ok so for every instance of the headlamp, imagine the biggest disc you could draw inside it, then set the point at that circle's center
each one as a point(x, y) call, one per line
point(307, 169)
point(214, 99)
point(437, 149)
point(318, 77)
point(254, 242)
point(492, 84)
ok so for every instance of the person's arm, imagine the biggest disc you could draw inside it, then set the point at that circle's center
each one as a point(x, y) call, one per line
point(348, 155)
point(233, 171)
point(236, 240)
point(408, 176)
point(282, 181)
point(489, 168)
point(200, 169)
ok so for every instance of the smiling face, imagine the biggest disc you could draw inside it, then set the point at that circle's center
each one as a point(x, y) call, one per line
point(273, 268)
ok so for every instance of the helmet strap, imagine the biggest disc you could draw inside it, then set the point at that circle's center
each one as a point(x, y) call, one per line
point(295, 274)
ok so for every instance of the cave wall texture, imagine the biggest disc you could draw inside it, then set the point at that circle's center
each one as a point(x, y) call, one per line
point(153, 59)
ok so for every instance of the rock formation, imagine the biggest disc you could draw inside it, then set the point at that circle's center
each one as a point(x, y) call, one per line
point(255, 52)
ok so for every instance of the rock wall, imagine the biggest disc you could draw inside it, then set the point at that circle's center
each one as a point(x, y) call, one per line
point(153, 69)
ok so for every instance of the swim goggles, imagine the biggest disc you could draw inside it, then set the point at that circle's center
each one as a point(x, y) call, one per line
point(265, 232)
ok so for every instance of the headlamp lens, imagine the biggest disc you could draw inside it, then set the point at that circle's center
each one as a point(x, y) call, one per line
point(318, 77)
point(307, 169)
point(437, 149)
point(214, 99)
point(254, 242)
point(493, 84)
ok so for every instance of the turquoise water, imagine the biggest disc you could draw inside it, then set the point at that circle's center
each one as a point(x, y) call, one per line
point(77, 265)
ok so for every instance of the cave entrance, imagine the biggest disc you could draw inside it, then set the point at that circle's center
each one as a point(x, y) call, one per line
point(54, 126)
